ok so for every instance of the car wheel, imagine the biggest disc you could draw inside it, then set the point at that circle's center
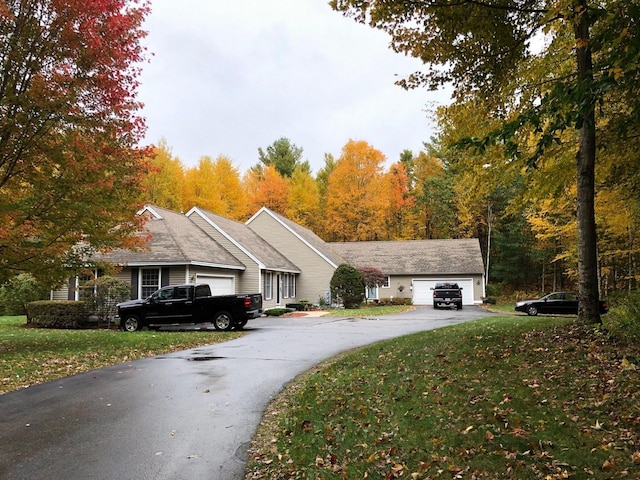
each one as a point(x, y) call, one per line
point(223, 321)
point(131, 323)
point(459, 306)
point(532, 310)
point(240, 325)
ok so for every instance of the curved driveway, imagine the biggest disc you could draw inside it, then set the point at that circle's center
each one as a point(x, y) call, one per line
point(188, 415)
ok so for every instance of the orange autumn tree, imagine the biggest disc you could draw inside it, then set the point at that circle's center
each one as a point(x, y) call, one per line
point(357, 195)
point(401, 203)
point(265, 187)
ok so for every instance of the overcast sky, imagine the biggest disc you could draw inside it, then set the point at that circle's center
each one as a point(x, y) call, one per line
point(228, 77)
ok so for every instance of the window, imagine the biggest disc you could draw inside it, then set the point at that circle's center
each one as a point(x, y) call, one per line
point(181, 293)
point(292, 286)
point(285, 285)
point(387, 282)
point(268, 285)
point(149, 281)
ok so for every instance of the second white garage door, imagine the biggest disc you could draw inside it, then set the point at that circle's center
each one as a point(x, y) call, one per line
point(423, 295)
point(219, 285)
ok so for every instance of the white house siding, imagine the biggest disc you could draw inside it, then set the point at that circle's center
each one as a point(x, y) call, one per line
point(61, 294)
point(313, 282)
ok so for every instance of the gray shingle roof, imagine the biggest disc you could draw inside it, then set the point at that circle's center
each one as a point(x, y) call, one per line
point(433, 257)
point(255, 245)
point(175, 240)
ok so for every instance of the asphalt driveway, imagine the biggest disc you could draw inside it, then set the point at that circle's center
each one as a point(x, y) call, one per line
point(188, 415)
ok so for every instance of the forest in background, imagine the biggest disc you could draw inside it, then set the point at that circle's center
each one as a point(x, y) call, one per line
point(523, 217)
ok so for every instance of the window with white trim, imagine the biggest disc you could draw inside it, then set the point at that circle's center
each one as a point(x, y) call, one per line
point(285, 285)
point(292, 286)
point(149, 281)
point(268, 285)
point(387, 282)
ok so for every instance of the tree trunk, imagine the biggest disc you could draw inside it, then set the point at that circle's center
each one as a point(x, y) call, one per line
point(588, 310)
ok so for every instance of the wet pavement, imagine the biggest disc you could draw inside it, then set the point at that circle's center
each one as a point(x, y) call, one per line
point(187, 415)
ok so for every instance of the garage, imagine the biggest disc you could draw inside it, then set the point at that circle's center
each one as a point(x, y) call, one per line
point(218, 285)
point(422, 294)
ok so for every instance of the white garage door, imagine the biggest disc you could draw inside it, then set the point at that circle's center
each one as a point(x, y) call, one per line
point(423, 295)
point(219, 285)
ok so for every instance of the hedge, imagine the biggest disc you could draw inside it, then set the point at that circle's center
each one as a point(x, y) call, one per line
point(59, 314)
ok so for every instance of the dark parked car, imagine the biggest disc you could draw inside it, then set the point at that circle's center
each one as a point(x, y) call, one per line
point(188, 304)
point(557, 302)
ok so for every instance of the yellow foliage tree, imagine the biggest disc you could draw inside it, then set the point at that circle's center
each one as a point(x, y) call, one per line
point(304, 199)
point(356, 195)
point(215, 186)
point(165, 180)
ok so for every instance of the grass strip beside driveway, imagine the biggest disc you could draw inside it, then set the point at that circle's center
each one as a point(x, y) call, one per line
point(506, 397)
point(29, 356)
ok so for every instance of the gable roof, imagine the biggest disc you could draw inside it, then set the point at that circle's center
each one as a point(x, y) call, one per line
point(175, 240)
point(309, 238)
point(247, 241)
point(412, 257)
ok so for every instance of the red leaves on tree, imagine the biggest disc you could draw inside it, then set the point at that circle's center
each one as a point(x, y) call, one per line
point(70, 165)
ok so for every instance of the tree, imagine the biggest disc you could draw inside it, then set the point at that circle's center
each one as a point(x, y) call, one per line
point(372, 276)
point(266, 189)
point(164, 183)
point(482, 46)
point(284, 156)
point(435, 212)
point(303, 199)
point(401, 202)
point(18, 291)
point(70, 166)
point(347, 286)
point(215, 186)
point(356, 194)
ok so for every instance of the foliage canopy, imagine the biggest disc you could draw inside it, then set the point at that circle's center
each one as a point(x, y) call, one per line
point(70, 168)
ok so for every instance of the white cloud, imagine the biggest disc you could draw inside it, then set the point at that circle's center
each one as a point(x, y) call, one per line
point(229, 77)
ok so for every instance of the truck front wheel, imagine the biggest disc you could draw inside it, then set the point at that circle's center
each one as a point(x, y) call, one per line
point(131, 323)
point(223, 321)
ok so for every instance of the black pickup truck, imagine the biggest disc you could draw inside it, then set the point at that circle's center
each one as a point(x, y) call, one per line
point(188, 304)
point(447, 293)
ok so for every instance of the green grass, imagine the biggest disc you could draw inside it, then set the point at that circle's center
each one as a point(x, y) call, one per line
point(506, 397)
point(34, 355)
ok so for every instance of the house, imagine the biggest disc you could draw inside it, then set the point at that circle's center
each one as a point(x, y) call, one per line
point(413, 267)
point(282, 260)
point(316, 260)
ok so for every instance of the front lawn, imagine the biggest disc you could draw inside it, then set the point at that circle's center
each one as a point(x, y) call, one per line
point(34, 355)
point(506, 397)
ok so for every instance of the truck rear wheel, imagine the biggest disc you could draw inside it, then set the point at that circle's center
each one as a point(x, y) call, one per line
point(240, 325)
point(131, 323)
point(223, 321)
